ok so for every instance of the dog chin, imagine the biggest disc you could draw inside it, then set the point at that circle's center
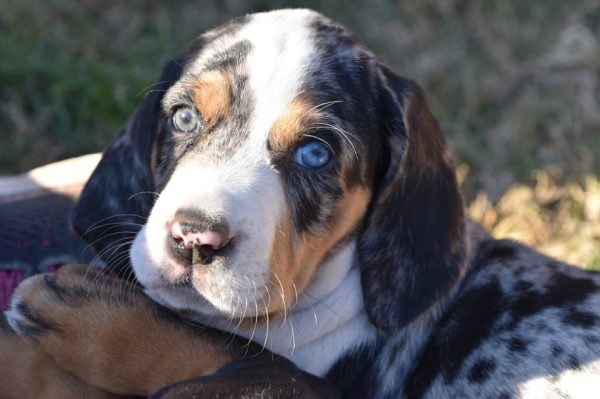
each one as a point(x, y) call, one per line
point(185, 301)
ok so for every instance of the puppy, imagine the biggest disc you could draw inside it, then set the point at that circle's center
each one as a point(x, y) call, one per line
point(282, 185)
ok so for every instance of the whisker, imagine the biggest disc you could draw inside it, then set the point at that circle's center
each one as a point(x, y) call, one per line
point(320, 302)
point(101, 254)
point(150, 87)
point(110, 262)
point(115, 216)
point(321, 140)
point(313, 310)
point(344, 134)
point(143, 192)
point(321, 106)
point(267, 327)
point(292, 333)
point(114, 224)
point(173, 59)
point(282, 299)
point(295, 291)
point(129, 235)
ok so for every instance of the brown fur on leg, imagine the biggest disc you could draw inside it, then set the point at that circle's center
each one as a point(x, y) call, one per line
point(28, 372)
point(111, 335)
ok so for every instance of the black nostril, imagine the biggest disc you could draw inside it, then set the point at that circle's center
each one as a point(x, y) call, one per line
point(179, 251)
point(203, 254)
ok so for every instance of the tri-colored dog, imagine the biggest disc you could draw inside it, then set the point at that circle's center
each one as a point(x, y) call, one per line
point(293, 198)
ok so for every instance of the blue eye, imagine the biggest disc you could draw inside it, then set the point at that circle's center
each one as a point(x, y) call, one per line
point(312, 155)
point(185, 120)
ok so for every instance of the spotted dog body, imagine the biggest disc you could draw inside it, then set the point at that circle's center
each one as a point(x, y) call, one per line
point(306, 202)
point(523, 325)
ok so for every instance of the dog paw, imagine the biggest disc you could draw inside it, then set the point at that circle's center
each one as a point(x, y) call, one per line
point(51, 306)
point(82, 318)
point(108, 333)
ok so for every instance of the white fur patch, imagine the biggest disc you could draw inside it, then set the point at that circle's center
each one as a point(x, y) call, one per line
point(327, 322)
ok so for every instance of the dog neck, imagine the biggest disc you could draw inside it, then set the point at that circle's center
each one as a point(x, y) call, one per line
point(327, 321)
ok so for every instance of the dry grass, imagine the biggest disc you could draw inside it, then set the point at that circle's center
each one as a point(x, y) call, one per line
point(562, 221)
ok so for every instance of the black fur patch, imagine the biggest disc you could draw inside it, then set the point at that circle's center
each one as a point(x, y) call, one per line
point(481, 370)
point(580, 318)
point(492, 251)
point(58, 290)
point(556, 350)
point(458, 336)
point(313, 195)
point(231, 57)
point(351, 372)
point(574, 362)
point(328, 34)
point(562, 291)
point(523, 285)
point(97, 286)
point(517, 344)
point(35, 325)
point(261, 376)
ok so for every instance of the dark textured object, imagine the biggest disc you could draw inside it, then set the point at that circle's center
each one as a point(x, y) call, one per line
point(35, 235)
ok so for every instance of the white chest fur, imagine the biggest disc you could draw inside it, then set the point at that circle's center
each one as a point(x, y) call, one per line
point(327, 321)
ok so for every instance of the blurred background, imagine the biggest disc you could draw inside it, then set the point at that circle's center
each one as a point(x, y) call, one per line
point(514, 85)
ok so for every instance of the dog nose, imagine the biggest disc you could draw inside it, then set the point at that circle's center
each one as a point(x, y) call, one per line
point(189, 235)
point(196, 237)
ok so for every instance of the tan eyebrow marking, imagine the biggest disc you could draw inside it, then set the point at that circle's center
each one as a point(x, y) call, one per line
point(297, 117)
point(212, 95)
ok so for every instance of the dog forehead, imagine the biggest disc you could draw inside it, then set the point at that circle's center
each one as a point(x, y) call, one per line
point(277, 66)
point(281, 50)
point(267, 63)
point(270, 54)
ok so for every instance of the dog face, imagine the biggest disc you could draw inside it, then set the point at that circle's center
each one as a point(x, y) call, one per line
point(260, 169)
point(269, 148)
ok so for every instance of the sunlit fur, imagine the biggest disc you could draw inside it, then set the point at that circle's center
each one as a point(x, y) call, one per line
point(292, 291)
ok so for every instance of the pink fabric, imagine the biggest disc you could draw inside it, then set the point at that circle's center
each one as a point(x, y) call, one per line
point(9, 279)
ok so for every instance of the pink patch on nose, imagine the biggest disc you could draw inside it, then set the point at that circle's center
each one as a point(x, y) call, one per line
point(176, 231)
point(209, 239)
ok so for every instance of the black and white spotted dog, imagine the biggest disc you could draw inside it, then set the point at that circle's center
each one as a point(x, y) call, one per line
point(306, 200)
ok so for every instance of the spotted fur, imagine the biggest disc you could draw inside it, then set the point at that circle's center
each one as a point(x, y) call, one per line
point(364, 272)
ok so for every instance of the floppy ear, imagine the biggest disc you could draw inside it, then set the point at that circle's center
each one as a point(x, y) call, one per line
point(412, 248)
point(117, 197)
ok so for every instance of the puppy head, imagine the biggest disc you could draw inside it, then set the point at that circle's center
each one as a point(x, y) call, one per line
point(269, 153)
point(261, 170)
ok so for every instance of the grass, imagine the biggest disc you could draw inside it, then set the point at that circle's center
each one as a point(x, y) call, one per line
point(561, 220)
point(515, 86)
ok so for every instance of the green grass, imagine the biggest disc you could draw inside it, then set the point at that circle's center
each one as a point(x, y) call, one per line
point(514, 84)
